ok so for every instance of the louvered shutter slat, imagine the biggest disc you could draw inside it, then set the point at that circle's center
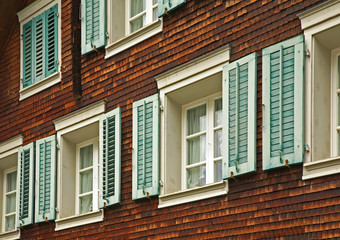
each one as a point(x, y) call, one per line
point(25, 185)
point(27, 54)
point(168, 6)
point(109, 161)
point(239, 117)
point(39, 47)
point(145, 147)
point(45, 179)
point(51, 39)
point(283, 103)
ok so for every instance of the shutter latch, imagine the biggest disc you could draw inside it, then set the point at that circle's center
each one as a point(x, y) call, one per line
point(306, 146)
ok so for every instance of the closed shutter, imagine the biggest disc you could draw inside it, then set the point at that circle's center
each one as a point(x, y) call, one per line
point(51, 39)
point(283, 72)
point(27, 54)
point(40, 47)
point(239, 116)
point(168, 6)
point(110, 158)
point(145, 143)
point(45, 177)
point(92, 25)
point(25, 185)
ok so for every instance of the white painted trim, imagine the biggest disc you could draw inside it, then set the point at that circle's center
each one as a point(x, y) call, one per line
point(198, 67)
point(80, 115)
point(10, 235)
point(194, 194)
point(79, 220)
point(25, 15)
point(334, 102)
point(321, 168)
point(134, 38)
point(10, 146)
point(39, 86)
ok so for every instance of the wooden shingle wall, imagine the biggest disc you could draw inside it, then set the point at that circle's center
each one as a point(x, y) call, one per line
point(264, 205)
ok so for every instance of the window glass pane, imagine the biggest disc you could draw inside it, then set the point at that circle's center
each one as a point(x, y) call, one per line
point(137, 24)
point(218, 171)
point(155, 2)
point(136, 6)
point(10, 223)
point(154, 14)
point(196, 150)
point(86, 181)
point(86, 156)
point(196, 119)
point(11, 181)
point(218, 144)
point(196, 177)
point(85, 204)
point(10, 203)
point(218, 112)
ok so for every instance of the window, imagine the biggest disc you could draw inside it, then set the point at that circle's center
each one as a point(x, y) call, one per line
point(87, 176)
point(130, 22)
point(8, 188)
point(202, 141)
point(10, 192)
point(39, 47)
point(88, 166)
point(190, 135)
point(321, 30)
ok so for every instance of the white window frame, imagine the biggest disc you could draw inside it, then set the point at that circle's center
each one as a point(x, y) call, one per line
point(210, 141)
point(9, 149)
point(64, 125)
point(114, 45)
point(26, 15)
point(335, 92)
point(314, 21)
point(193, 72)
point(95, 169)
point(6, 172)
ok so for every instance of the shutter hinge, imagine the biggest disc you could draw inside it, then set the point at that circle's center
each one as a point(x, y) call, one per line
point(107, 35)
point(57, 62)
point(57, 209)
point(161, 108)
point(306, 146)
point(307, 53)
point(160, 183)
point(21, 80)
point(57, 14)
point(21, 36)
point(57, 145)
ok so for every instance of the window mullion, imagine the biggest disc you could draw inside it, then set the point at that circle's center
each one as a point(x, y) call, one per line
point(148, 9)
point(210, 142)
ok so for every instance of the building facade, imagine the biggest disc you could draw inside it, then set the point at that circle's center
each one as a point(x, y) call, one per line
point(170, 119)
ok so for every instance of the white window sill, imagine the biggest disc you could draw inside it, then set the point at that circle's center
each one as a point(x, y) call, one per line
point(134, 38)
point(79, 220)
point(194, 194)
point(15, 234)
point(321, 168)
point(39, 86)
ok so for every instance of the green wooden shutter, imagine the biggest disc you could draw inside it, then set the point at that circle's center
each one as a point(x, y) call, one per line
point(239, 116)
point(51, 40)
point(45, 177)
point(25, 185)
point(110, 158)
point(283, 76)
point(39, 47)
point(27, 54)
point(93, 25)
point(145, 144)
point(168, 6)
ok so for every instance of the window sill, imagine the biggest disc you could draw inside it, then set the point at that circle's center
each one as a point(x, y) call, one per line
point(321, 168)
point(195, 194)
point(79, 220)
point(39, 86)
point(134, 38)
point(15, 234)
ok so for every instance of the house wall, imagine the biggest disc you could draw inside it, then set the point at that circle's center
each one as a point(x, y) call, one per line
point(262, 205)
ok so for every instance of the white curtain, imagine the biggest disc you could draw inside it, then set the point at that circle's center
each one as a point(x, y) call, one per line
point(86, 178)
point(86, 156)
point(10, 223)
point(86, 204)
point(136, 7)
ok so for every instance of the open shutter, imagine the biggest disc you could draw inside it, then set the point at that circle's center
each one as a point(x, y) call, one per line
point(39, 47)
point(92, 25)
point(239, 117)
point(110, 158)
point(25, 185)
point(283, 72)
point(27, 54)
point(45, 177)
point(168, 6)
point(145, 144)
point(51, 40)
